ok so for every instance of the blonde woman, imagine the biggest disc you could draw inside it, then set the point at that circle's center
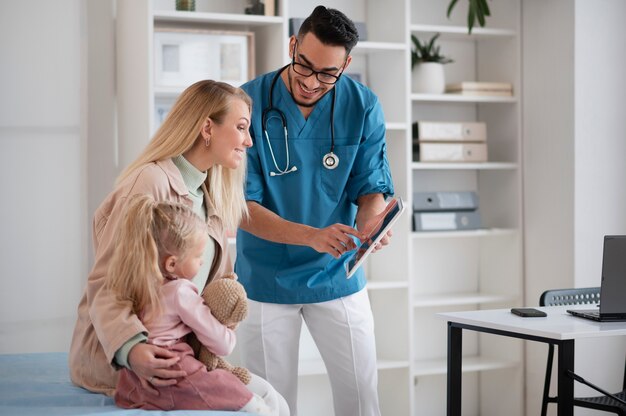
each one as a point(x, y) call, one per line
point(197, 158)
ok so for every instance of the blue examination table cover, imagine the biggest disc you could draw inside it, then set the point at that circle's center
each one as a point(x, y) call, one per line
point(39, 384)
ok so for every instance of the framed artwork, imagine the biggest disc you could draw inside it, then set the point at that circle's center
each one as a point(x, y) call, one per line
point(182, 57)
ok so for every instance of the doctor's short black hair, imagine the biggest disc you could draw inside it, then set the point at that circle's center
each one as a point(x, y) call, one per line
point(331, 27)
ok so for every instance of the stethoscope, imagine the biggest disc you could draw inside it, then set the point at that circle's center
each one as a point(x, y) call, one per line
point(330, 159)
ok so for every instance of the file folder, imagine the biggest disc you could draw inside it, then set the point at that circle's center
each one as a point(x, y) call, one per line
point(437, 131)
point(446, 221)
point(445, 201)
point(452, 152)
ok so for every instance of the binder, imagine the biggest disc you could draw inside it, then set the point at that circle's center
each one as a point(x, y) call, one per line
point(437, 131)
point(451, 152)
point(445, 201)
point(446, 221)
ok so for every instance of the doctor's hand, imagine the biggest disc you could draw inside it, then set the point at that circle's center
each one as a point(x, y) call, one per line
point(153, 366)
point(370, 226)
point(334, 239)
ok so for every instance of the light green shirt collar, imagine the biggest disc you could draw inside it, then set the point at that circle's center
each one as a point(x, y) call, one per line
point(192, 177)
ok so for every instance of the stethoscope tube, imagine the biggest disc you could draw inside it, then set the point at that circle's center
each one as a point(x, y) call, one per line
point(330, 159)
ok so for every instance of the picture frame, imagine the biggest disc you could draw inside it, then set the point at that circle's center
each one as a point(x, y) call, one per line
point(182, 57)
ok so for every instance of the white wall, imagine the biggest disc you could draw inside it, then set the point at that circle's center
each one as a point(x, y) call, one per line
point(103, 164)
point(600, 174)
point(42, 172)
point(574, 176)
point(600, 146)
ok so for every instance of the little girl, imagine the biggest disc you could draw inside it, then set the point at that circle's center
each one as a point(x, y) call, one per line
point(159, 248)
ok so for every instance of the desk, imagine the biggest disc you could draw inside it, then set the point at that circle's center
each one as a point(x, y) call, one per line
point(558, 328)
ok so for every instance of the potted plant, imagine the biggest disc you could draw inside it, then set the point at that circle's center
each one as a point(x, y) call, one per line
point(427, 66)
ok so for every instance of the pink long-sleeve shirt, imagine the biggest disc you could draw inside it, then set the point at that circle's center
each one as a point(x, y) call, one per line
point(184, 311)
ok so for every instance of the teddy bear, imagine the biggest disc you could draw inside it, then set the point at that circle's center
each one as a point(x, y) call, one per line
point(227, 300)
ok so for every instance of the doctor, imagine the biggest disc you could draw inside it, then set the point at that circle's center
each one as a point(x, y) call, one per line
point(318, 168)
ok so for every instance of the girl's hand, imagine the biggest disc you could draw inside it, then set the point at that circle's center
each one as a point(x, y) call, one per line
point(152, 364)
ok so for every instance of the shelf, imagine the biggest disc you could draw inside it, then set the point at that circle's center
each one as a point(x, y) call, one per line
point(460, 32)
point(458, 98)
point(487, 232)
point(482, 256)
point(455, 299)
point(470, 364)
point(317, 367)
point(387, 285)
point(368, 46)
point(464, 166)
point(396, 126)
point(226, 18)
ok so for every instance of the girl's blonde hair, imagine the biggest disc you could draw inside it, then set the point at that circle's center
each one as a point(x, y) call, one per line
point(180, 130)
point(149, 232)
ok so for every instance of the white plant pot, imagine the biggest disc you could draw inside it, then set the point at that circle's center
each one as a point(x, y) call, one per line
point(428, 78)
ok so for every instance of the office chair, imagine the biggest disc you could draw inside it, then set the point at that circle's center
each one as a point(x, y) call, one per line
point(614, 403)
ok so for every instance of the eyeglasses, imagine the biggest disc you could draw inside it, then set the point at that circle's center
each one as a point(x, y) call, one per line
point(307, 71)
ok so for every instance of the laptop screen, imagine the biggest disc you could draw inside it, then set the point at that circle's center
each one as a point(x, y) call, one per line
point(613, 287)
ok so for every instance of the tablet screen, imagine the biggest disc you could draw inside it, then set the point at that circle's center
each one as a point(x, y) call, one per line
point(392, 212)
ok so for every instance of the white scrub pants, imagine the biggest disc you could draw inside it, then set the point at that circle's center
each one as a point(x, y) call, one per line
point(343, 330)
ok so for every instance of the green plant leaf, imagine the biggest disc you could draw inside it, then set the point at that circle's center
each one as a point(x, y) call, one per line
point(427, 51)
point(450, 7)
point(485, 7)
point(479, 11)
point(471, 16)
point(431, 44)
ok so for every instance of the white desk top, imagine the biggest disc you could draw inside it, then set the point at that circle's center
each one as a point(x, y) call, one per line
point(557, 325)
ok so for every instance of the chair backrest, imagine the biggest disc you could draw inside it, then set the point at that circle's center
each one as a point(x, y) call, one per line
point(562, 297)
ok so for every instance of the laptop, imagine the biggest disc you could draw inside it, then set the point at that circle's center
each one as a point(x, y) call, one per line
point(613, 284)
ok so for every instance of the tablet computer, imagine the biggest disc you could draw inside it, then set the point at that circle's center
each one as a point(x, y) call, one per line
point(388, 217)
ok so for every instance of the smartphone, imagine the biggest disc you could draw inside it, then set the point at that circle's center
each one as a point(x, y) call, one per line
point(529, 312)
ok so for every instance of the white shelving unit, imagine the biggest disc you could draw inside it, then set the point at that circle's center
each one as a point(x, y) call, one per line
point(421, 273)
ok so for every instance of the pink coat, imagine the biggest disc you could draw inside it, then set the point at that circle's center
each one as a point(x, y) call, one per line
point(104, 324)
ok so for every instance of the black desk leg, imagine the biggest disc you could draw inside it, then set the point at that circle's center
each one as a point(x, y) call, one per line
point(565, 383)
point(455, 357)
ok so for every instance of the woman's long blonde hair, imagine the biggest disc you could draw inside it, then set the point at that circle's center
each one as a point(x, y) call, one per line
point(180, 130)
point(148, 233)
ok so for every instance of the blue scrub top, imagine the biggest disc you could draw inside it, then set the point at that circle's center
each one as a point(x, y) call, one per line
point(312, 195)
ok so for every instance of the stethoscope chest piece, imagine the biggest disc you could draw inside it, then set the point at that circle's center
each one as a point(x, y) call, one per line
point(330, 161)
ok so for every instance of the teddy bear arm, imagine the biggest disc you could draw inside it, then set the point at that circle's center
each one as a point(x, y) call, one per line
point(207, 358)
point(222, 363)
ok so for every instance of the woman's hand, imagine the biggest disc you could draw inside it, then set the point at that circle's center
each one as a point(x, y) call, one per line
point(152, 364)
